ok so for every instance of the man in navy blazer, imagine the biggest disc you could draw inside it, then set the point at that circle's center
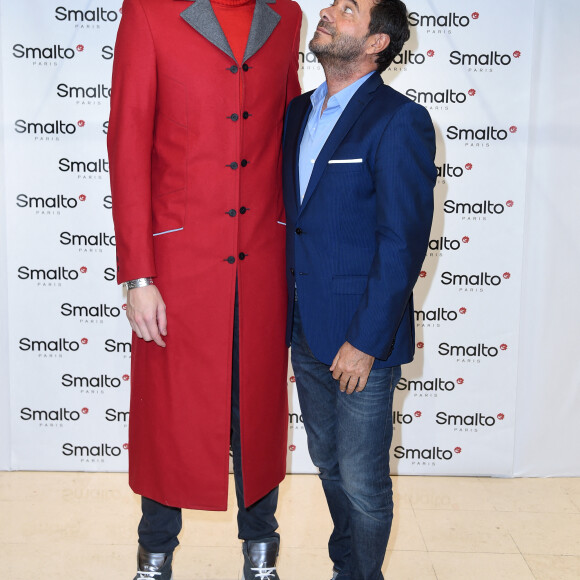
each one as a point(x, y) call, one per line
point(358, 189)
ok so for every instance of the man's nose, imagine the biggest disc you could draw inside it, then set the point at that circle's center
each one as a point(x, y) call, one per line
point(325, 14)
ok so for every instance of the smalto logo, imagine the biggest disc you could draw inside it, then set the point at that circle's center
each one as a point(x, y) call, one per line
point(115, 416)
point(308, 61)
point(49, 204)
point(49, 131)
point(434, 318)
point(95, 385)
point(90, 314)
point(431, 388)
point(54, 348)
point(425, 456)
point(118, 347)
point(474, 282)
point(438, 246)
point(52, 276)
point(295, 421)
point(476, 211)
point(486, 62)
point(84, 95)
point(468, 423)
point(98, 453)
point(107, 52)
point(482, 137)
point(400, 418)
point(52, 418)
point(474, 353)
point(441, 23)
point(45, 56)
point(86, 19)
point(85, 170)
point(87, 243)
point(409, 58)
point(441, 100)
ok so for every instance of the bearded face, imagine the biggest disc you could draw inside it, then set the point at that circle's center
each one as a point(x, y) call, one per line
point(328, 45)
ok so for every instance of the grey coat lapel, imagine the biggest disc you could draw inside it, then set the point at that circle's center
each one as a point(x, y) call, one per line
point(201, 17)
point(263, 24)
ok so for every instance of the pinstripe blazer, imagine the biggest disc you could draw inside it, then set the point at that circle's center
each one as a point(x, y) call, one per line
point(356, 244)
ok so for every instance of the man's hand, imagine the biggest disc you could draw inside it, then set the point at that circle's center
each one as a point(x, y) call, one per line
point(146, 313)
point(352, 368)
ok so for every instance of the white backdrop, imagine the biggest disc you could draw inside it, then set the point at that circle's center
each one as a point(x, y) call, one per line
point(66, 397)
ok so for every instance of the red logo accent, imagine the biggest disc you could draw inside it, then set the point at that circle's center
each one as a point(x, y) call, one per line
point(418, 414)
point(501, 416)
point(465, 239)
point(430, 53)
point(84, 270)
point(503, 346)
point(517, 54)
point(472, 92)
point(460, 381)
point(475, 15)
point(422, 274)
point(80, 47)
point(84, 410)
point(124, 307)
point(462, 310)
point(468, 166)
point(292, 379)
point(82, 197)
point(420, 345)
point(292, 447)
point(84, 340)
point(81, 123)
point(458, 450)
point(509, 203)
point(125, 377)
point(513, 129)
point(507, 275)
point(125, 446)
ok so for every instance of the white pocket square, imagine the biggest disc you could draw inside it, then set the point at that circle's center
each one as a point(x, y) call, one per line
point(345, 161)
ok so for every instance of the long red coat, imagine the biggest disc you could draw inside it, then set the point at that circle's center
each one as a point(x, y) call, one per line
point(197, 201)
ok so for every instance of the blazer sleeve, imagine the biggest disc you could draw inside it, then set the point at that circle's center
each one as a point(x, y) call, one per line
point(130, 142)
point(404, 177)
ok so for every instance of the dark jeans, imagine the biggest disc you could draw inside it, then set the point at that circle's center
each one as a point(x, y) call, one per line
point(348, 439)
point(161, 524)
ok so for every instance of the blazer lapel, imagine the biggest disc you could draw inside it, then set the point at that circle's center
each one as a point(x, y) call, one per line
point(201, 17)
point(263, 24)
point(348, 118)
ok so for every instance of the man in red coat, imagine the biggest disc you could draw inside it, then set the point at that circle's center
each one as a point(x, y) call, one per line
point(199, 95)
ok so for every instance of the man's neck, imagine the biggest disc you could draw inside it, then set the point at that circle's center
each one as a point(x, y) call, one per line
point(338, 78)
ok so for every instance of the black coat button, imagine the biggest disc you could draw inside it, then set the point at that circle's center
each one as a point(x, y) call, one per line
point(232, 213)
point(244, 162)
point(243, 210)
point(234, 117)
point(230, 260)
point(246, 68)
point(245, 115)
point(292, 271)
point(233, 69)
point(233, 165)
point(242, 256)
point(299, 231)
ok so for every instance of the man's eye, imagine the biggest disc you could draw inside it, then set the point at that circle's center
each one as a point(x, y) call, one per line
point(348, 10)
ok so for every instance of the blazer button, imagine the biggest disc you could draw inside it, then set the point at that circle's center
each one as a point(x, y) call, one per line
point(242, 256)
point(233, 165)
point(234, 117)
point(244, 162)
point(230, 260)
point(232, 213)
point(292, 271)
point(233, 69)
point(243, 210)
point(245, 115)
point(299, 231)
point(246, 68)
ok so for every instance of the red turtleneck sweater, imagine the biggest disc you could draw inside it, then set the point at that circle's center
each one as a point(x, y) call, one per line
point(235, 18)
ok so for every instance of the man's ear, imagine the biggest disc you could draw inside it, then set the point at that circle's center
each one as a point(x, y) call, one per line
point(378, 43)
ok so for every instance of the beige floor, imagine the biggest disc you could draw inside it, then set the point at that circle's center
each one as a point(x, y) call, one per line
point(82, 526)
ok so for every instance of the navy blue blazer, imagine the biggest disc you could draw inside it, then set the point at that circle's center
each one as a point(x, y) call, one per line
point(356, 244)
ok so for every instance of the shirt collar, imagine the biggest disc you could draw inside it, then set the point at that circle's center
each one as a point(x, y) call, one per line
point(340, 99)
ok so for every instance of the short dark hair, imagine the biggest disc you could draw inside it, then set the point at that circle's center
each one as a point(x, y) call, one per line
point(389, 17)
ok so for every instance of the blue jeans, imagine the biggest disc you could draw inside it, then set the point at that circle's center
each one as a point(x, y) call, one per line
point(161, 524)
point(348, 439)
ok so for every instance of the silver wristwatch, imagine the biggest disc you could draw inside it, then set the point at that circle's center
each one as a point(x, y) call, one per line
point(137, 283)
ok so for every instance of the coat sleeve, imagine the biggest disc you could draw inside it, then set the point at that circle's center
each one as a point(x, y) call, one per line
point(404, 178)
point(130, 142)
point(292, 83)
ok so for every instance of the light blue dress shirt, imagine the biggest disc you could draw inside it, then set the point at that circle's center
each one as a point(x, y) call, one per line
point(320, 126)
